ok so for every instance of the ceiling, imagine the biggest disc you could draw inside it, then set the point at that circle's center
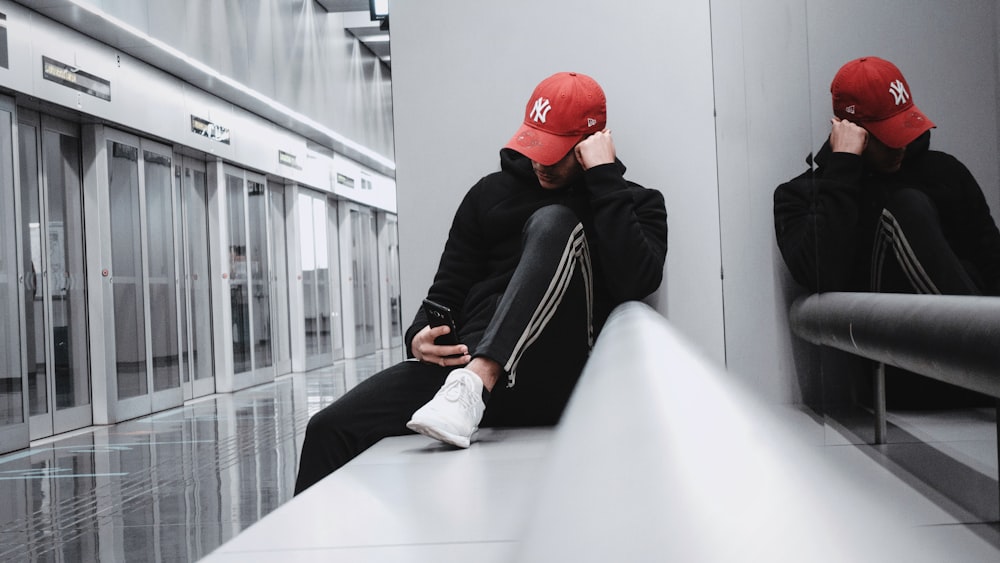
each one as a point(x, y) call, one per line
point(373, 35)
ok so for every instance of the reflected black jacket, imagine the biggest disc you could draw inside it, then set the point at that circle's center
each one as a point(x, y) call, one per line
point(825, 219)
point(625, 224)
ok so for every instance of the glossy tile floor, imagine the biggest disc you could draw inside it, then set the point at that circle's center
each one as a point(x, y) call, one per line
point(168, 487)
point(177, 485)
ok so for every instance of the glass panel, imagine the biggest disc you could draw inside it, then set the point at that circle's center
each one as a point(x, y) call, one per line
point(279, 280)
point(362, 259)
point(238, 276)
point(126, 261)
point(357, 273)
point(370, 257)
point(322, 275)
point(307, 257)
point(66, 273)
point(260, 273)
point(34, 290)
point(162, 271)
point(11, 390)
point(392, 260)
point(196, 207)
point(336, 320)
point(184, 276)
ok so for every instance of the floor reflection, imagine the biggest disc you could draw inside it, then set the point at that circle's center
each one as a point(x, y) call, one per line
point(169, 487)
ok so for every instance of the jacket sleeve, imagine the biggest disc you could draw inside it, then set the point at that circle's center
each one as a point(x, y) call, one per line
point(816, 223)
point(463, 262)
point(982, 232)
point(630, 225)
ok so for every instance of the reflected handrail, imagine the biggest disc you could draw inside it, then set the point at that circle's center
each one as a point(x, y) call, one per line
point(951, 338)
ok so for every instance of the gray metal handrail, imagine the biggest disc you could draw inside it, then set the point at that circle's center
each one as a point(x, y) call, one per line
point(951, 338)
point(664, 456)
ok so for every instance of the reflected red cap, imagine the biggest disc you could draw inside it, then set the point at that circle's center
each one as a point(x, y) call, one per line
point(563, 109)
point(873, 93)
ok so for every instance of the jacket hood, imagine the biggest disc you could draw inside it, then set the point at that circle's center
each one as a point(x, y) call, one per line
point(519, 165)
point(920, 145)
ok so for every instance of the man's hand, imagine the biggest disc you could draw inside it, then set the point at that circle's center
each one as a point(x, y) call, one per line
point(847, 137)
point(425, 350)
point(596, 150)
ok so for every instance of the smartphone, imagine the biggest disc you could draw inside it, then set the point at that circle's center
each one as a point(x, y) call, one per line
point(437, 315)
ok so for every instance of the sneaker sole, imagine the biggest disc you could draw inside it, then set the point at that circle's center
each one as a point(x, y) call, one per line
point(447, 437)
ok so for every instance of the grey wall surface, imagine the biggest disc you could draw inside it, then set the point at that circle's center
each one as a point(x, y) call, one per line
point(763, 132)
point(462, 74)
point(463, 71)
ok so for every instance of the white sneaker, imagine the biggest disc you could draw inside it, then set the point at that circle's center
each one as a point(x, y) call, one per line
point(453, 415)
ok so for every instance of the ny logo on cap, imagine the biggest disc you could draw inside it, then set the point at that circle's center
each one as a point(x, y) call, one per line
point(540, 110)
point(898, 92)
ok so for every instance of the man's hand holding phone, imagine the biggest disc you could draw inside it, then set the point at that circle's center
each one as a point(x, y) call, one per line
point(438, 343)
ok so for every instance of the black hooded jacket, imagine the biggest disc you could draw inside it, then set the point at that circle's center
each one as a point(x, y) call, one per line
point(625, 224)
point(825, 219)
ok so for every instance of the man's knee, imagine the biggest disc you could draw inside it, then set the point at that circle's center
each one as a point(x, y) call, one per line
point(556, 221)
point(911, 207)
point(325, 422)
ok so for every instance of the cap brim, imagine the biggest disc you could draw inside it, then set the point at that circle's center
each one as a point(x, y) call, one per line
point(541, 147)
point(900, 129)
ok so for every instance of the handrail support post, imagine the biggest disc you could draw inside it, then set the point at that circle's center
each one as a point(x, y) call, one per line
point(878, 401)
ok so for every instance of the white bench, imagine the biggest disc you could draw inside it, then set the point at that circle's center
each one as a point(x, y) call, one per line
point(407, 498)
point(659, 457)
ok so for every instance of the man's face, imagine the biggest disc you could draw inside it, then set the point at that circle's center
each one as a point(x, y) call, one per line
point(882, 158)
point(560, 174)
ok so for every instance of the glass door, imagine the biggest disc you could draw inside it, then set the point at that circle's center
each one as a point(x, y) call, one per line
point(196, 346)
point(314, 340)
point(141, 219)
point(55, 297)
point(389, 266)
point(361, 222)
point(333, 259)
point(259, 259)
point(13, 380)
point(315, 258)
point(281, 329)
point(249, 285)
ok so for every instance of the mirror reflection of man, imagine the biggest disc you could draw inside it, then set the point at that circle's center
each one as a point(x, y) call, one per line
point(882, 211)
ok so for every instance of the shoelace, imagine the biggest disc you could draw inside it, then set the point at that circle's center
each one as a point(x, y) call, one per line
point(458, 391)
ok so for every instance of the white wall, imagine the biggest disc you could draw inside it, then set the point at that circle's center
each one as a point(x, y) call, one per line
point(763, 129)
point(462, 73)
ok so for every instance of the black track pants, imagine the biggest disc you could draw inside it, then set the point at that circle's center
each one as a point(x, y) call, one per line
point(541, 334)
point(911, 254)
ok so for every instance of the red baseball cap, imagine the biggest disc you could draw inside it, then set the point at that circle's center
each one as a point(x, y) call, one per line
point(873, 93)
point(563, 109)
